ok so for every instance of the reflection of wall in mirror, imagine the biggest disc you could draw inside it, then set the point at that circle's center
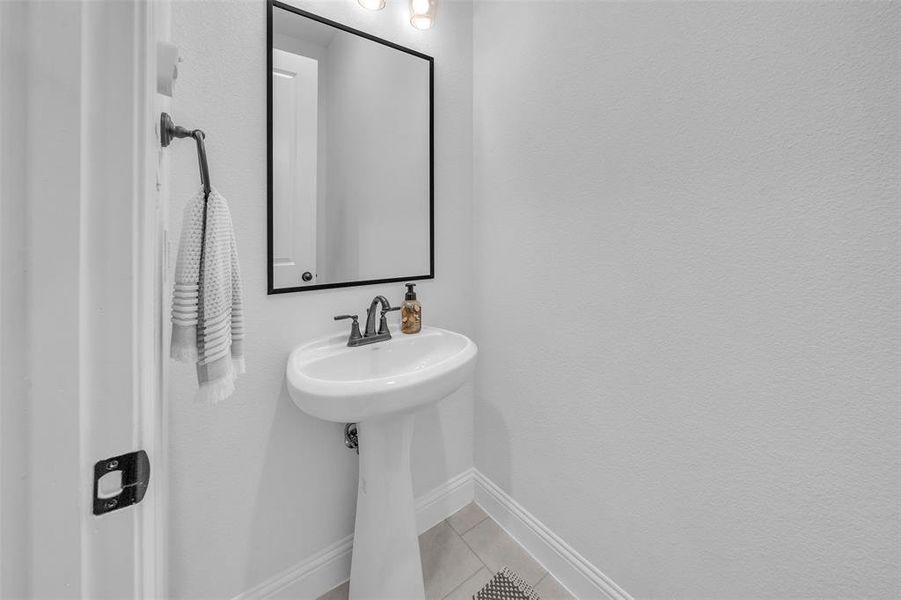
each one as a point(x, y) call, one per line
point(378, 132)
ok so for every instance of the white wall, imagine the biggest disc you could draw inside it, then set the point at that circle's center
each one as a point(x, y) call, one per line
point(256, 486)
point(687, 228)
point(14, 572)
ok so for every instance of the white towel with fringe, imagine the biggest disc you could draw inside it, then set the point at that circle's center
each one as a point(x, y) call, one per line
point(207, 305)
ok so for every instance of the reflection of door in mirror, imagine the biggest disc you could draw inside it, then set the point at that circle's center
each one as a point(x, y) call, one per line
point(295, 90)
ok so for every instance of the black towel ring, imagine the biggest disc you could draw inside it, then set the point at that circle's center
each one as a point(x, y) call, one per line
point(169, 130)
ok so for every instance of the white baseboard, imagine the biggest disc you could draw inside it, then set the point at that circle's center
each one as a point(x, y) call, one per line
point(445, 500)
point(308, 579)
point(331, 567)
point(579, 576)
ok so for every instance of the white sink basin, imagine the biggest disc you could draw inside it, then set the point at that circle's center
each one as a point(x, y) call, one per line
point(331, 381)
point(378, 386)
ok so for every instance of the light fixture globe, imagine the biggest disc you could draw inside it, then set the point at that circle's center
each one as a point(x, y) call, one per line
point(372, 4)
point(422, 13)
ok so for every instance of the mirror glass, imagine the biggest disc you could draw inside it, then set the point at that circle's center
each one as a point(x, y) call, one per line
point(350, 164)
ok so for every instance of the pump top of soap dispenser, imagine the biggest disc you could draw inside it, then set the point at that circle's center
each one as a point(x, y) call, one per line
point(411, 295)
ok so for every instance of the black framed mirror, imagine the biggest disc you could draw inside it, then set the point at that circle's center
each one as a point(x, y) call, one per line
point(350, 156)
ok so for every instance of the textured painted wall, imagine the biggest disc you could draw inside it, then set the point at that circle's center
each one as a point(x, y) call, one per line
point(256, 486)
point(687, 221)
point(14, 513)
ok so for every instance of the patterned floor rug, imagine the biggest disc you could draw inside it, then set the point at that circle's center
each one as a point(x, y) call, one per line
point(506, 585)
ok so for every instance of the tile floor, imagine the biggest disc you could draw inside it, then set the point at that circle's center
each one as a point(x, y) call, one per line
point(461, 553)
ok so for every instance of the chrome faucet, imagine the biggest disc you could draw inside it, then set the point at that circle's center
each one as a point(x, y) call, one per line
point(370, 336)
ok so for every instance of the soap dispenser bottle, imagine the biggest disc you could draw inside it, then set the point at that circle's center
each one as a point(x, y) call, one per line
point(410, 312)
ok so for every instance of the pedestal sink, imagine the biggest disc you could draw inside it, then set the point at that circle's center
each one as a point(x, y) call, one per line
point(379, 386)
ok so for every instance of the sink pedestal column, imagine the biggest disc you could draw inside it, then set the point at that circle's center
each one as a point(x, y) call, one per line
point(385, 562)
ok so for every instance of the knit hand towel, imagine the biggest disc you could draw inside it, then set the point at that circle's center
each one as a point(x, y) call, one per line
point(207, 306)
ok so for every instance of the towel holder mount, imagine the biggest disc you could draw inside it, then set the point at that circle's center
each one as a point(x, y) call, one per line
point(169, 131)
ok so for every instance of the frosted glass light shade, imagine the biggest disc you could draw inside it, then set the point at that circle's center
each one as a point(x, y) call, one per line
point(372, 4)
point(422, 13)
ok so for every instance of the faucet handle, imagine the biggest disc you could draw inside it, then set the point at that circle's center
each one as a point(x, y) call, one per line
point(354, 328)
point(383, 322)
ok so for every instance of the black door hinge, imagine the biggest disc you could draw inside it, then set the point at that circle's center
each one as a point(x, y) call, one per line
point(135, 467)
